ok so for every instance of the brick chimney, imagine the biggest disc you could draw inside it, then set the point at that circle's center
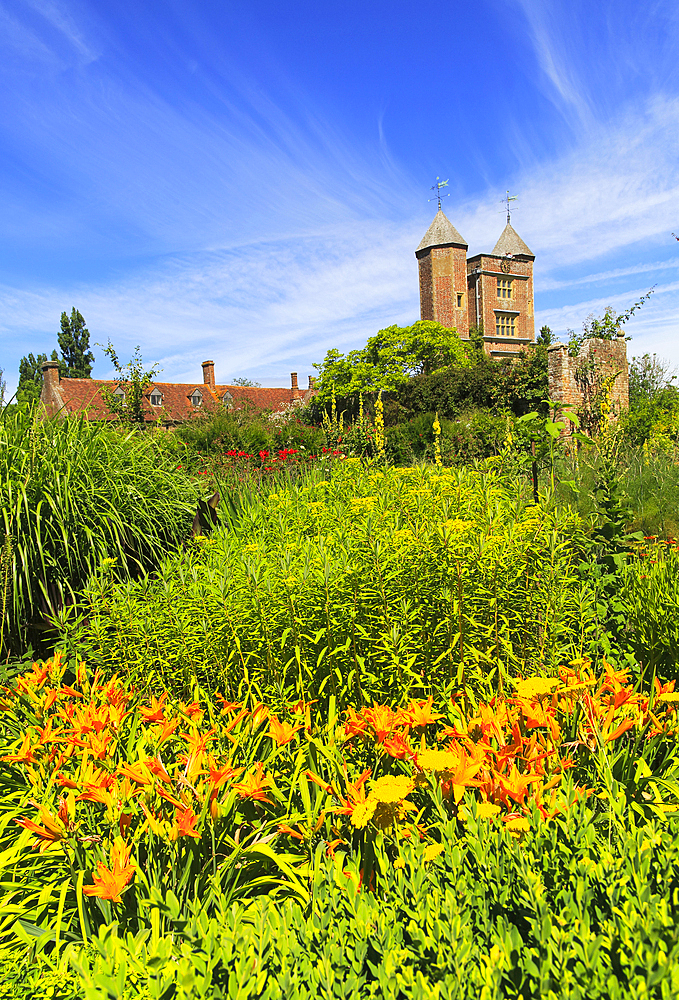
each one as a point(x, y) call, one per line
point(209, 373)
point(312, 382)
point(295, 393)
point(50, 395)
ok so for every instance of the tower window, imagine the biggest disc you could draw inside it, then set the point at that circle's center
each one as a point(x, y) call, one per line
point(505, 325)
point(459, 300)
point(504, 288)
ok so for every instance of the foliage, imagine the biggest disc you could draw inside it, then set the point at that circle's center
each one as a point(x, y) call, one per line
point(212, 435)
point(366, 584)
point(3, 387)
point(517, 385)
point(651, 604)
point(473, 436)
point(453, 390)
point(73, 494)
point(606, 327)
point(562, 913)
point(653, 401)
point(246, 382)
point(74, 342)
point(389, 359)
point(134, 382)
point(30, 377)
point(522, 383)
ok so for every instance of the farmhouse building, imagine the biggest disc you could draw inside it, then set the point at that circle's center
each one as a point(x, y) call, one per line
point(490, 291)
point(164, 402)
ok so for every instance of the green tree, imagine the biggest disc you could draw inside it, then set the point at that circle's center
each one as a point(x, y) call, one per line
point(132, 381)
point(390, 358)
point(30, 376)
point(74, 343)
point(3, 388)
point(247, 383)
point(653, 398)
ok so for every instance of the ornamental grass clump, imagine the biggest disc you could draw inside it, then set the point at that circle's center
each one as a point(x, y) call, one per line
point(74, 494)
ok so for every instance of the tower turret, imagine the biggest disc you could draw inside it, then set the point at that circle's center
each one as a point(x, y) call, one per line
point(442, 261)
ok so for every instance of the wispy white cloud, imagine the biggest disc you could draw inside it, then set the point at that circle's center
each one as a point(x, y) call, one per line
point(264, 233)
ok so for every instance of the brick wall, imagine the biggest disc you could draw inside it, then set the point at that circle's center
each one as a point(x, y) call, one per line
point(610, 358)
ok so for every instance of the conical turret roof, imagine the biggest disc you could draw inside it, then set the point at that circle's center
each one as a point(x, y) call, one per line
point(511, 243)
point(441, 233)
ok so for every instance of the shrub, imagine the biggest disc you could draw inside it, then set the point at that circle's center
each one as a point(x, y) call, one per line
point(367, 585)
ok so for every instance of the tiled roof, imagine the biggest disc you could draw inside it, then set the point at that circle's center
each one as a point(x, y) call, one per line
point(83, 395)
point(441, 233)
point(511, 243)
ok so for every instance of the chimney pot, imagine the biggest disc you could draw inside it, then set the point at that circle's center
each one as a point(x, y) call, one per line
point(209, 373)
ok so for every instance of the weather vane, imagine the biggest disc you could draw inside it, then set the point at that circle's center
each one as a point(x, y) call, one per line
point(506, 201)
point(437, 187)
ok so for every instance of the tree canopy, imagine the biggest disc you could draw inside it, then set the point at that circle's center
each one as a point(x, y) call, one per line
point(390, 358)
point(74, 342)
point(30, 376)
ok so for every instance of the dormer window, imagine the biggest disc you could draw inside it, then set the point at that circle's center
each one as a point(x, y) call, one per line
point(156, 398)
point(197, 397)
point(227, 399)
point(119, 393)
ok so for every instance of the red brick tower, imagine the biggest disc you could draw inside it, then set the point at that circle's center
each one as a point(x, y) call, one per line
point(442, 259)
point(501, 295)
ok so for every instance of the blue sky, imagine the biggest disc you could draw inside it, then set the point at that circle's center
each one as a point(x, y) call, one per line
point(248, 181)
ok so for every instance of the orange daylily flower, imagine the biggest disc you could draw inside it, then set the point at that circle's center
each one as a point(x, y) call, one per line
point(281, 733)
point(135, 773)
point(282, 828)
point(193, 711)
point(382, 719)
point(220, 775)
point(622, 728)
point(514, 785)
point(24, 754)
point(162, 733)
point(50, 829)
point(259, 714)
point(155, 712)
point(109, 883)
point(157, 768)
point(253, 786)
point(397, 746)
point(184, 824)
point(421, 713)
point(355, 724)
